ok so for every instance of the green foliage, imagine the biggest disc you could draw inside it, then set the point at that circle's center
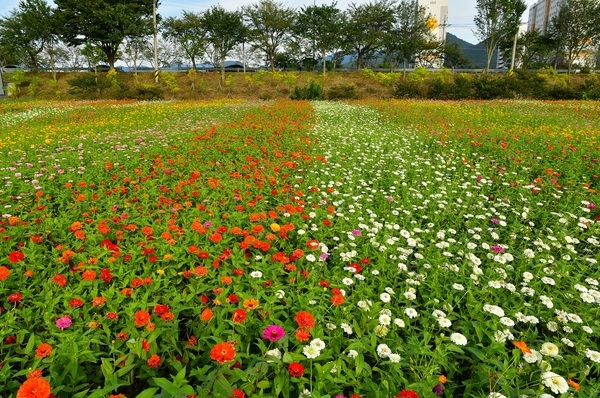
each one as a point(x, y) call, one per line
point(368, 73)
point(170, 80)
point(147, 92)
point(419, 74)
point(386, 79)
point(18, 77)
point(104, 24)
point(33, 86)
point(313, 91)
point(88, 85)
point(343, 92)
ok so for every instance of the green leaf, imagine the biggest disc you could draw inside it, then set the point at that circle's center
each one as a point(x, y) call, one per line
point(29, 348)
point(147, 393)
point(263, 384)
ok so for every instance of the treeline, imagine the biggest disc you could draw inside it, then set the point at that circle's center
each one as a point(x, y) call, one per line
point(389, 33)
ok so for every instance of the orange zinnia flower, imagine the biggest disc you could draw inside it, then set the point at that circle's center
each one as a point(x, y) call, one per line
point(305, 320)
point(337, 299)
point(89, 275)
point(43, 350)
point(521, 345)
point(223, 352)
point(574, 384)
point(154, 361)
point(250, 303)
point(98, 301)
point(206, 314)
point(141, 317)
point(302, 335)
point(4, 273)
point(34, 388)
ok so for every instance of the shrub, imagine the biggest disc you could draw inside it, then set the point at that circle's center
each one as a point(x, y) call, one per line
point(342, 92)
point(147, 92)
point(313, 91)
point(89, 85)
point(170, 81)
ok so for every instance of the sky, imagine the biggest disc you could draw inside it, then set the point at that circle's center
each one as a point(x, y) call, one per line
point(460, 12)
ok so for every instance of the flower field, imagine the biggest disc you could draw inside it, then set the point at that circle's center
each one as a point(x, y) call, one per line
point(296, 249)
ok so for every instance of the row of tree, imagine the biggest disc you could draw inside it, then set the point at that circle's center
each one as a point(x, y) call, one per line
point(574, 31)
point(397, 31)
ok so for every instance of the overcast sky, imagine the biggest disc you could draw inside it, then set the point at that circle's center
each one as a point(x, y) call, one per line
point(460, 12)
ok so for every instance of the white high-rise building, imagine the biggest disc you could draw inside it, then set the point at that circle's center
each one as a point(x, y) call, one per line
point(438, 10)
point(541, 14)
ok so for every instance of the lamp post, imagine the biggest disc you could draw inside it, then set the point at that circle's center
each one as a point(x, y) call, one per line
point(155, 42)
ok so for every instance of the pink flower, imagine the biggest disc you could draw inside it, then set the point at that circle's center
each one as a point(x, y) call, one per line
point(497, 248)
point(63, 322)
point(273, 333)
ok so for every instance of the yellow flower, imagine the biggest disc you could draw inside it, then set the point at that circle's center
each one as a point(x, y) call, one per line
point(160, 272)
point(275, 227)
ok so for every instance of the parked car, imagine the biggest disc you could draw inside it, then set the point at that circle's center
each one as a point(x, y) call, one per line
point(10, 68)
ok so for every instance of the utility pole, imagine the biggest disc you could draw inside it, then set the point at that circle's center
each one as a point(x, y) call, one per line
point(514, 51)
point(155, 42)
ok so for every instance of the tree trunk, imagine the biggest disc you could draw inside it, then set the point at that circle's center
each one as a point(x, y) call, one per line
point(324, 63)
point(359, 56)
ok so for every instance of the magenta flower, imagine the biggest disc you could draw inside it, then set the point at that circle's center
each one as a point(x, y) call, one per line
point(63, 322)
point(497, 248)
point(495, 221)
point(273, 333)
point(356, 232)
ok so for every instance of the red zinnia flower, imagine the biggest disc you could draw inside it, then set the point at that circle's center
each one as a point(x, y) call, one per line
point(296, 369)
point(15, 297)
point(223, 352)
point(239, 316)
point(60, 280)
point(237, 393)
point(407, 394)
point(34, 388)
point(160, 309)
point(15, 257)
point(75, 303)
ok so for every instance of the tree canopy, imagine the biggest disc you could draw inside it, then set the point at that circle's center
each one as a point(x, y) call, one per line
point(269, 27)
point(103, 23)
point(23, 35)
point(497, 21)
point(321, 25)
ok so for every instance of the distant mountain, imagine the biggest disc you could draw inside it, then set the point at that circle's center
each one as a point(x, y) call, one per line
point(475, 52)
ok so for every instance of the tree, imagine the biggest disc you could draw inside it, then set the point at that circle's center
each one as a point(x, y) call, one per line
point(187, 33)
point(497, 21)
point(269, 27)
point(453, 57)
point(103, 23)
point(411, 31)
point(224, 30)
point(576, 29)
point(534, 49)
point(368, 24)
point(28, 29)
point(323, 26)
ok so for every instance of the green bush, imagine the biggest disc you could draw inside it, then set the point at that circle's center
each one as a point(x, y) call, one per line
point(487, 86)
point(313, 91)
point(147, 92)
point(343, 92)
point(89, 85)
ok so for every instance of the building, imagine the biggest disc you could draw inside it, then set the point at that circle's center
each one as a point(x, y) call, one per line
point(541, 14)
point(439, 11)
